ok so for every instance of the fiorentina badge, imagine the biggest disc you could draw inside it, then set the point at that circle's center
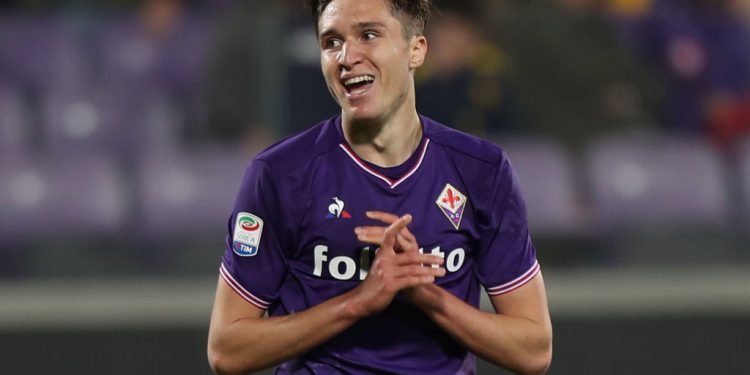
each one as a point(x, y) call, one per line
point(452, 202)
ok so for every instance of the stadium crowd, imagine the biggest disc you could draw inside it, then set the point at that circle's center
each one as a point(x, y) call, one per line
point(122, 123)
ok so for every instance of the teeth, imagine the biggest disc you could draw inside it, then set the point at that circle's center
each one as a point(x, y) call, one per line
point(355, 80)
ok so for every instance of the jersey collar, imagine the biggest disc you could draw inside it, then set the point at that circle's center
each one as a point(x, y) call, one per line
point(391, 183)
point(377, 174)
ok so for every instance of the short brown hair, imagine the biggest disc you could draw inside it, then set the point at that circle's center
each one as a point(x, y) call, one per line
point(413, 14)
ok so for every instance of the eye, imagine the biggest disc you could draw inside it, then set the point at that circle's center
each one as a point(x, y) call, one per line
point(369, 35)
point(331, 43)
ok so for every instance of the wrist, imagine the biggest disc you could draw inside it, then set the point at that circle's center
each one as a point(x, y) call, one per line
point(352, 306)
point(429, 298)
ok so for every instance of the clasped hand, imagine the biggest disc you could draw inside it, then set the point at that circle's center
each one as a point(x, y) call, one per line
point(398, 265)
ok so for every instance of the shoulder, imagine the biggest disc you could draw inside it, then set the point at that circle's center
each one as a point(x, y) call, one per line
point(299, 150)
point(463, 145)
point(482, 165)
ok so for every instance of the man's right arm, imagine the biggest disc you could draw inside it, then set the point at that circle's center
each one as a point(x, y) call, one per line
point(241, 340)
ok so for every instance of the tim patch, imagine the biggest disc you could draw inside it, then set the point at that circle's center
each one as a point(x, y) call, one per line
point(247, 233)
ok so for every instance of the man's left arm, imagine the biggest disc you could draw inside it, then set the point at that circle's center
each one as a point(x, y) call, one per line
point(517, 336)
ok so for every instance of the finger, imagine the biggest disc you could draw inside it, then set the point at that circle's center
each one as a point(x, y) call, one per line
point(374, 235)
point(382, 216)
point(418, 270)
point(371, 235)
point(370, 229)
point(417, 258)
point(409, 235)
point(412, 281)
point(389, 237)
point(397, 226)
point(375, 240)
point(403, 243)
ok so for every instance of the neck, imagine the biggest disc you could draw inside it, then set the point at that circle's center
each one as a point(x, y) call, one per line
point(385, 142)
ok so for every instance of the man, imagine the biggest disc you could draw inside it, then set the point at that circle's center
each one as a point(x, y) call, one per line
point(313, 208)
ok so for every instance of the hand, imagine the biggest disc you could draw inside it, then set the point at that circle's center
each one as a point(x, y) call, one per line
point(405, 242)
point(398, 265)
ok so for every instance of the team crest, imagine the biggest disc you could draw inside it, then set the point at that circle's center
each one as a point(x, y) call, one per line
point(452, 202)
point(336, 210)
point(247, 233)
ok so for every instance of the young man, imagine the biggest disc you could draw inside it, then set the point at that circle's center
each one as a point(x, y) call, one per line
point(308, 240)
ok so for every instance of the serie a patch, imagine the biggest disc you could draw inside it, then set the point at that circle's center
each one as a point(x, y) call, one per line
point(247, 231)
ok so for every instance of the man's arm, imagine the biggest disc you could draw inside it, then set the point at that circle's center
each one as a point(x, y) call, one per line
point(241, 340)
point(518, 336)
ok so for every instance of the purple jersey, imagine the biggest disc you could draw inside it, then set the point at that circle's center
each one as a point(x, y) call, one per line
point(291, 242)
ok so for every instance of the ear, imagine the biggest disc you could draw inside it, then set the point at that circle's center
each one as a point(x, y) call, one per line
point(418, 46)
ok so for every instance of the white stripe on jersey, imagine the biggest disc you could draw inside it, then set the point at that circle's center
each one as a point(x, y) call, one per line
point(516, 283)
point(249, 297)
point(387, 180)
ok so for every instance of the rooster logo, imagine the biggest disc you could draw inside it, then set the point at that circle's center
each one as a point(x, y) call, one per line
point(336, 210)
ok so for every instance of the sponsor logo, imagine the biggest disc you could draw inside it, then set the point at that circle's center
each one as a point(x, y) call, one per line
point(343, 267)
point(452, 203)
point(336, 210)
point(247, 233)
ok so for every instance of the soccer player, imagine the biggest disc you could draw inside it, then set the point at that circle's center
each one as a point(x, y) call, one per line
point(368, 237)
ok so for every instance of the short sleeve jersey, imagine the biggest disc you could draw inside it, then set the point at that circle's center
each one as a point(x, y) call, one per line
point(291, 242)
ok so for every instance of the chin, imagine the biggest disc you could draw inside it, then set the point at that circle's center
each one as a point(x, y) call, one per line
point(362, 115)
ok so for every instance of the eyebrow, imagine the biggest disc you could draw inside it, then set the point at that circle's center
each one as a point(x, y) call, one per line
point(358, 25)
point(365, 25)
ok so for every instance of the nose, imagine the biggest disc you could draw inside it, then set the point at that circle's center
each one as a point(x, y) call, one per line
point(350, 55)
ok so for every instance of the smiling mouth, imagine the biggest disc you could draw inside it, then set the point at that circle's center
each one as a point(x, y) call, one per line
point(358, 84)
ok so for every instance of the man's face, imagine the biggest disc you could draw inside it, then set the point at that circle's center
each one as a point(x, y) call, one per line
point(366, 60)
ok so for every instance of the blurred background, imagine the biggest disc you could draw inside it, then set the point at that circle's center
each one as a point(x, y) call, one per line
point(125, 127)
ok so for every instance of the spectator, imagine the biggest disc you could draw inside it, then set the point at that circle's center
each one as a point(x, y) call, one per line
point(574, 81)
point(703, 49)
point(465, 81)
point(234, 99)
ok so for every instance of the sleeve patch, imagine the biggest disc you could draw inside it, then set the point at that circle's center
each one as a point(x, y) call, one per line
point(247, 232)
